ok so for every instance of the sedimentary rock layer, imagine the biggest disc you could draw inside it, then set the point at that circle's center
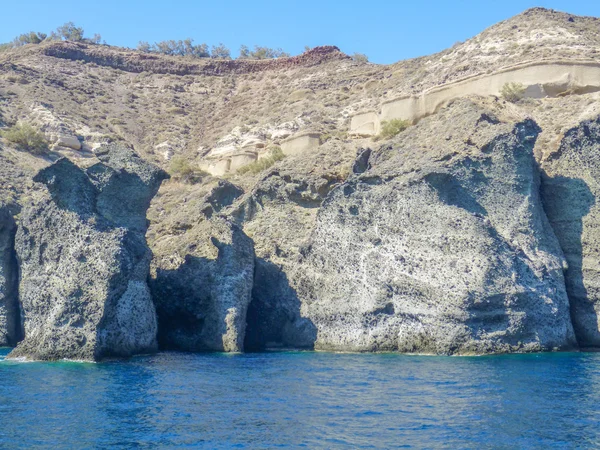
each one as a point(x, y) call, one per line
point(539, 79)
point(84, 260)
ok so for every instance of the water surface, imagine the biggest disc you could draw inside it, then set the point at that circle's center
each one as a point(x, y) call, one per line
point(304, 399)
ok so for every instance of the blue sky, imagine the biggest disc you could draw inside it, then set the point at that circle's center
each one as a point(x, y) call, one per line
point(386, 31)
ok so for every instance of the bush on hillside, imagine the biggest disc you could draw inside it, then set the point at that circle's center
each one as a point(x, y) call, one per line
point(67, 32)
point(360, 57)
point(391, 128)
point(512, 92)
point(27, 138)
point(261, 53)
point(264, 163)
point(220, 52)
point(180, 167)
point(33, 37)
point(70, 32)
point(177, 48)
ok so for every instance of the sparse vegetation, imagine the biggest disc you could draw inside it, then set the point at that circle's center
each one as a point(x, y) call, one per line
point(178, 48)
point(360, 57)
point(261, 53)
point(220, 52)
point(264, 163)
point(341, 135)
point(187, 48)
point(512, 92)
point(70, 32)
point(33, 37)
point(391, 128)
point(26, 138)
point(180, 167)
point(67, 32)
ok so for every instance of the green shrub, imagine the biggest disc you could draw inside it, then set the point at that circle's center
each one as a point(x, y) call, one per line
point(391, 128)
point(69, 32)
point(220, 52)
point(264, 163)
point(180, 167)
point(177, 48)
point(32, 37)
point(360, 57)
point(27, 138)
point(261, 53)
point(512, 92)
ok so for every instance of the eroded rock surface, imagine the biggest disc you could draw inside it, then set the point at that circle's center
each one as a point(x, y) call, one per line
point(442, 246)
point(84, 260)
point(570, 190)
point(202, 294)
point(10, 324)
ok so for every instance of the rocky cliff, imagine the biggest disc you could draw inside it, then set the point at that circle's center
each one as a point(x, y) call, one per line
point(471, 230)
point(84, 261)
point(441, 246)
point(10, 323)
point(570, 192)
point(202, 299)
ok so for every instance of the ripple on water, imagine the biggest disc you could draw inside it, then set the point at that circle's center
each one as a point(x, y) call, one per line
point(304, 399)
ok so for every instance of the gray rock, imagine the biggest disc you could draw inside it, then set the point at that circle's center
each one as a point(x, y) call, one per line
point(279, 216)
point(84, 260)
point(274, 318)
point(569, 191)
point(441, 246)
point(219, 197)
point(202, 298)
point(10, 322)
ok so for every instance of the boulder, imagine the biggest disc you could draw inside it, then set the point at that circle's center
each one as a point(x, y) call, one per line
point(202, 296)
point(439, 245)
point(63, 140)
point(84, 261)
point(570, 191)
point(10, 322)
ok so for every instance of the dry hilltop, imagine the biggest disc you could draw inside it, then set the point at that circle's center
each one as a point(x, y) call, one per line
point(444, 204)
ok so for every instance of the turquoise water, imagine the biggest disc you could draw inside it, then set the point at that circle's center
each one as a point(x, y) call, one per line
point(296, 399)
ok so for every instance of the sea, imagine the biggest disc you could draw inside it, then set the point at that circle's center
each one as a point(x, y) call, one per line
point(303, 400)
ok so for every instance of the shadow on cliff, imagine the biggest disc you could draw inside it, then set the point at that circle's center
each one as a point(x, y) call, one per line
point(273, 319)
point(182, 299)
point(566, 202)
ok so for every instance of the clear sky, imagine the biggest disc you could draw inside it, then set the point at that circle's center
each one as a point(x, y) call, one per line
point(385, 30)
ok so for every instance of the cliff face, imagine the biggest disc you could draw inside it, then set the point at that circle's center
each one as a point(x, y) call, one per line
point(472, 231)
point(84, 260)
point(10, 321)
point(570, 192)
point(441, 246)
point(201, 301)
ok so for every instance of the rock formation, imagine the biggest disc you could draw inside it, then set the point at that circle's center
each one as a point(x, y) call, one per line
point(84, 260)
point(441, 247)
point(470, 231)
point(202, 299)
point(10, 323)
point(538, 79)
point(570, 191)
